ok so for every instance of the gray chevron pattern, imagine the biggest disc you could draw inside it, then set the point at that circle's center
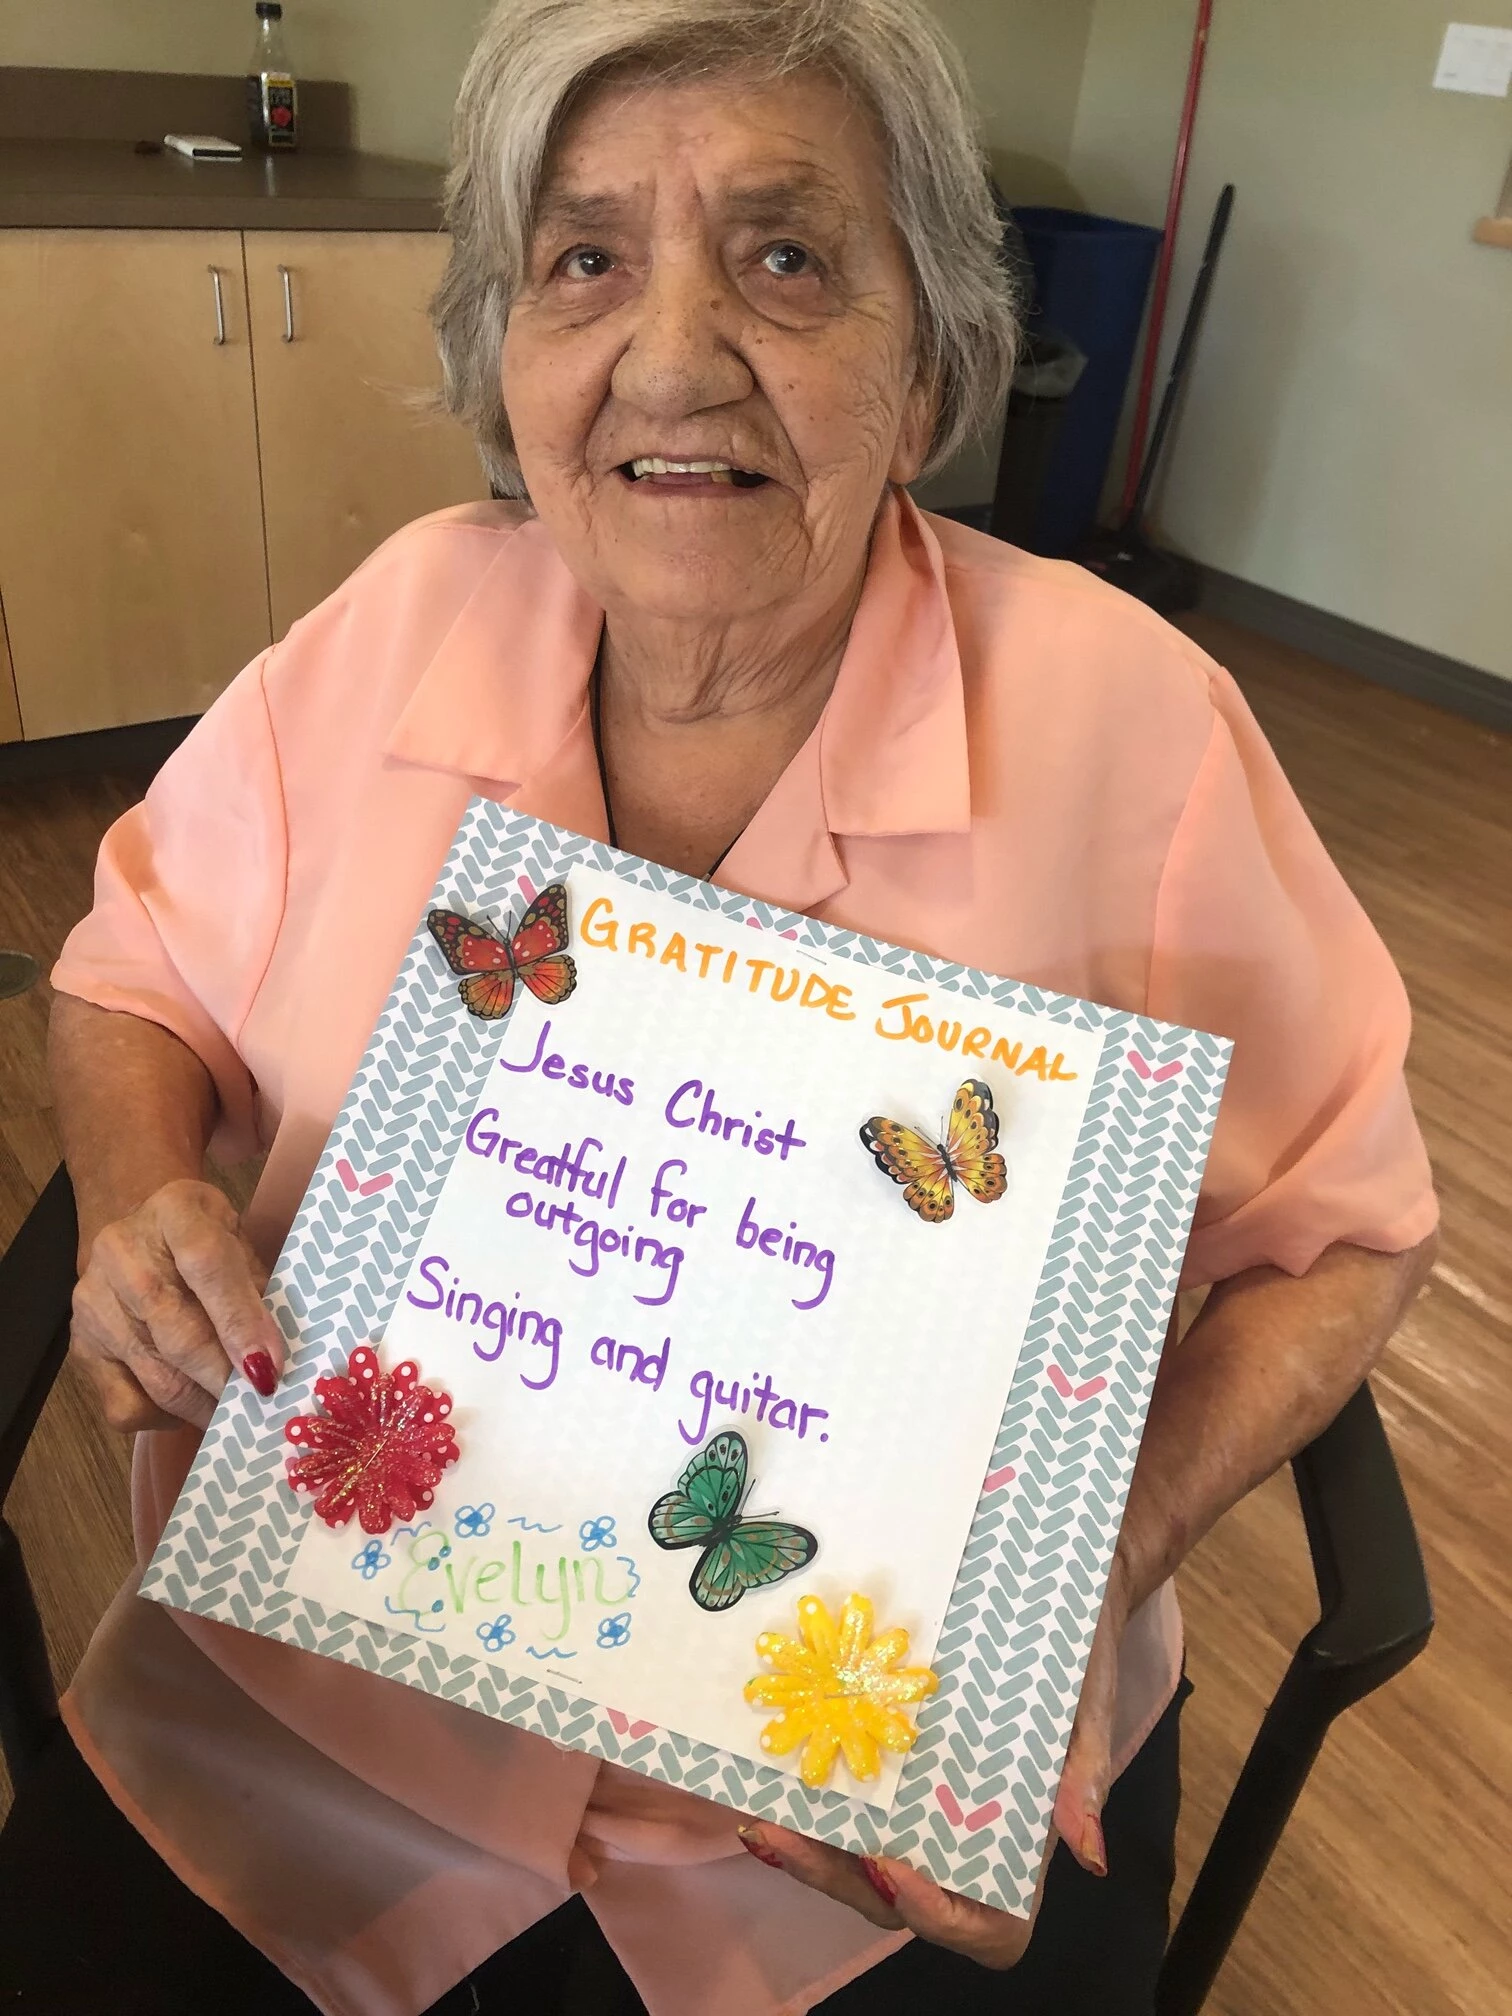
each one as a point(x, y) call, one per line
point(976, 1792)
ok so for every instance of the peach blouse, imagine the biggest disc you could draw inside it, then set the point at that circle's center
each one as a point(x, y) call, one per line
point(1018, 768)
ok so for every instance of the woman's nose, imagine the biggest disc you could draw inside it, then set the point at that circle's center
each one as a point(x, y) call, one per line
point(683, 353)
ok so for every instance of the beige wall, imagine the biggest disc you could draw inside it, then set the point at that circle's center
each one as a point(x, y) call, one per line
point(1025, 59)
point(185, 35)
point(404, 57)
point(1348, 439)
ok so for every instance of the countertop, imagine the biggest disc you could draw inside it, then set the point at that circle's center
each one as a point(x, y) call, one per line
point(94, 184)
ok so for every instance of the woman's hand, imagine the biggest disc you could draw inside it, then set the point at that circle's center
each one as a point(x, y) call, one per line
point(896, 1897)
point(170, 1297)
point(1088, 1770)
point(899, 1898)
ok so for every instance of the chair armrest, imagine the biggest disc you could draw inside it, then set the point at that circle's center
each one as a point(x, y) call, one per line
point(1376, 1618)
point(37, 1274)
point(1377, 1612)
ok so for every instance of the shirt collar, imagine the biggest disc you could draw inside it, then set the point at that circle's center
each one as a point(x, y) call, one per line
point(503, 702)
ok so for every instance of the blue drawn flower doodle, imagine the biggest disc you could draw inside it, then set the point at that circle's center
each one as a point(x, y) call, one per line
point(596, 1533)
point(614, 1631)
point(372, 1560)
point(473, 1521)
point(497, 1635)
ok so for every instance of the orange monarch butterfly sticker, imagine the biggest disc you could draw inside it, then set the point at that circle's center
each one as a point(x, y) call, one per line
point(929, 1170)
point(490, 963)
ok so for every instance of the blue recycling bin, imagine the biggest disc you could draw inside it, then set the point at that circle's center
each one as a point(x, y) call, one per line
point(1091, 277)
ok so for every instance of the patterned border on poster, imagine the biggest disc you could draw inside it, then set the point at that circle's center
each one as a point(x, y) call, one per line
point(976, 1792)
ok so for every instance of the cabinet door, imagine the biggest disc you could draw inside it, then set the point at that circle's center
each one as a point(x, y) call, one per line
point(131, 560)
point(345, 360)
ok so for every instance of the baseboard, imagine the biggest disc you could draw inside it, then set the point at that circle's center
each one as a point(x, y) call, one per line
point(143, 747)
point(1407, 668)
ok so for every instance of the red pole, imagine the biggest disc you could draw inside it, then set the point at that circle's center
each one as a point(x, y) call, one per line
point(1167, 256)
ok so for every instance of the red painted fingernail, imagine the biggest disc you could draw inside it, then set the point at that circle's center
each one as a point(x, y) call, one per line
point(758, 1848)
point(880, 1881)
point(258, 1367)
point(1094, 1849)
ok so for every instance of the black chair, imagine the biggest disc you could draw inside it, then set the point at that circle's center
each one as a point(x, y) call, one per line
point(1376, 1614)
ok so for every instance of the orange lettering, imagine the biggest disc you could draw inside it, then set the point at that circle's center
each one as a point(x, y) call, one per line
point(594, 933)
point(816, 992)
point(898, 1001)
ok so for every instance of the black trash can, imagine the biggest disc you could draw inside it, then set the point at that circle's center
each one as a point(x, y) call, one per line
point(1048, 372)
point(1091, 277)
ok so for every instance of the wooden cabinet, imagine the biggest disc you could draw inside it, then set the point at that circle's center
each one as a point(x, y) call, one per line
point(130, 523)
point(201, 435)
point(347, 377)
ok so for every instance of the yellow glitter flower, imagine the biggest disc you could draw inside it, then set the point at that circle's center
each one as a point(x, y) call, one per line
point(840, 1689)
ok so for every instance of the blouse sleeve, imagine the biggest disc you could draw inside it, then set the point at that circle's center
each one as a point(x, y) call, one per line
point(189, 892)
point(1257, 937)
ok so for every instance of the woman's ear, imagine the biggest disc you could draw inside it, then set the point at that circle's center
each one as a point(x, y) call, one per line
point(915, 431)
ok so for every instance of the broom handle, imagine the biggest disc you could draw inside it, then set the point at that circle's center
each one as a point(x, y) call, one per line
point(1191, 329)
point(1167, 256)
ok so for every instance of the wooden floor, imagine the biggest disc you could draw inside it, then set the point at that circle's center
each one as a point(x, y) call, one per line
point(1389, 1894)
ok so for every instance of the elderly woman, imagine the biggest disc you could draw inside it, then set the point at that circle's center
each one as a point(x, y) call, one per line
point(724, 281)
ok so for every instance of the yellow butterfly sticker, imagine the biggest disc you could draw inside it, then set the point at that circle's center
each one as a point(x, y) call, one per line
point(930, 1170)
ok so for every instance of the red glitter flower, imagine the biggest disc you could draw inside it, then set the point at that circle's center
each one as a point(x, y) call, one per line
point(379, 1448)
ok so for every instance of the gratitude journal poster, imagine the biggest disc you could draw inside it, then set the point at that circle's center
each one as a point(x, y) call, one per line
point(752, 1260)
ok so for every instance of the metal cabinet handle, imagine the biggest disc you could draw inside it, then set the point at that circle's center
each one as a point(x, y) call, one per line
point(220, 306)
point(288, 291)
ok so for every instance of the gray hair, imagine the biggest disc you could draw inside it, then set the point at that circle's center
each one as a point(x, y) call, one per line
point(536, 58)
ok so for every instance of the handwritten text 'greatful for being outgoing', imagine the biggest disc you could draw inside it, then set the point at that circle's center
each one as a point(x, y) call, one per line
point(902, 1019)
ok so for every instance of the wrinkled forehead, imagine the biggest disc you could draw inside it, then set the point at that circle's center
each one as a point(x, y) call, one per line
point(782, 153)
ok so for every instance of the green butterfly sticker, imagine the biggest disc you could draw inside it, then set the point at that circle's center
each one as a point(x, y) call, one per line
point(704, 1511)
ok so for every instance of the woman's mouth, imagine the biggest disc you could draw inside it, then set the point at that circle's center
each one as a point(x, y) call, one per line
point(661, 473)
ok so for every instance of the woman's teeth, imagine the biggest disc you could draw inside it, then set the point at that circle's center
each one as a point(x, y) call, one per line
point(717, 472)
point(655, 465)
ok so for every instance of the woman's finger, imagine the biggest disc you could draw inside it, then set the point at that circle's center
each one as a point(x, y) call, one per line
point(136, 1386)
point(991, 1938)
point(216, 1267)
point(182, 1334)
point(1088, 1770)
point(221, 1270)
point(170, 1390)
point(162, 1318)
point(830, 1870)
point(122, 1403)
point(894, 1896)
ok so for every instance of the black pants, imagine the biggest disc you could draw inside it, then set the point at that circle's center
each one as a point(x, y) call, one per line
point(92, 1923)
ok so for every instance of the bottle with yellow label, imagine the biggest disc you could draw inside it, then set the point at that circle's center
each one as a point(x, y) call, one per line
point(272, 94)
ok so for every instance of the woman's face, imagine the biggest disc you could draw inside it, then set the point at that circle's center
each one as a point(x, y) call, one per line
point(715, 279)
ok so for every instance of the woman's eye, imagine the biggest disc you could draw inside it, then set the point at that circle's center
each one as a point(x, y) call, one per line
point(787, 261)
point(585, 262)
